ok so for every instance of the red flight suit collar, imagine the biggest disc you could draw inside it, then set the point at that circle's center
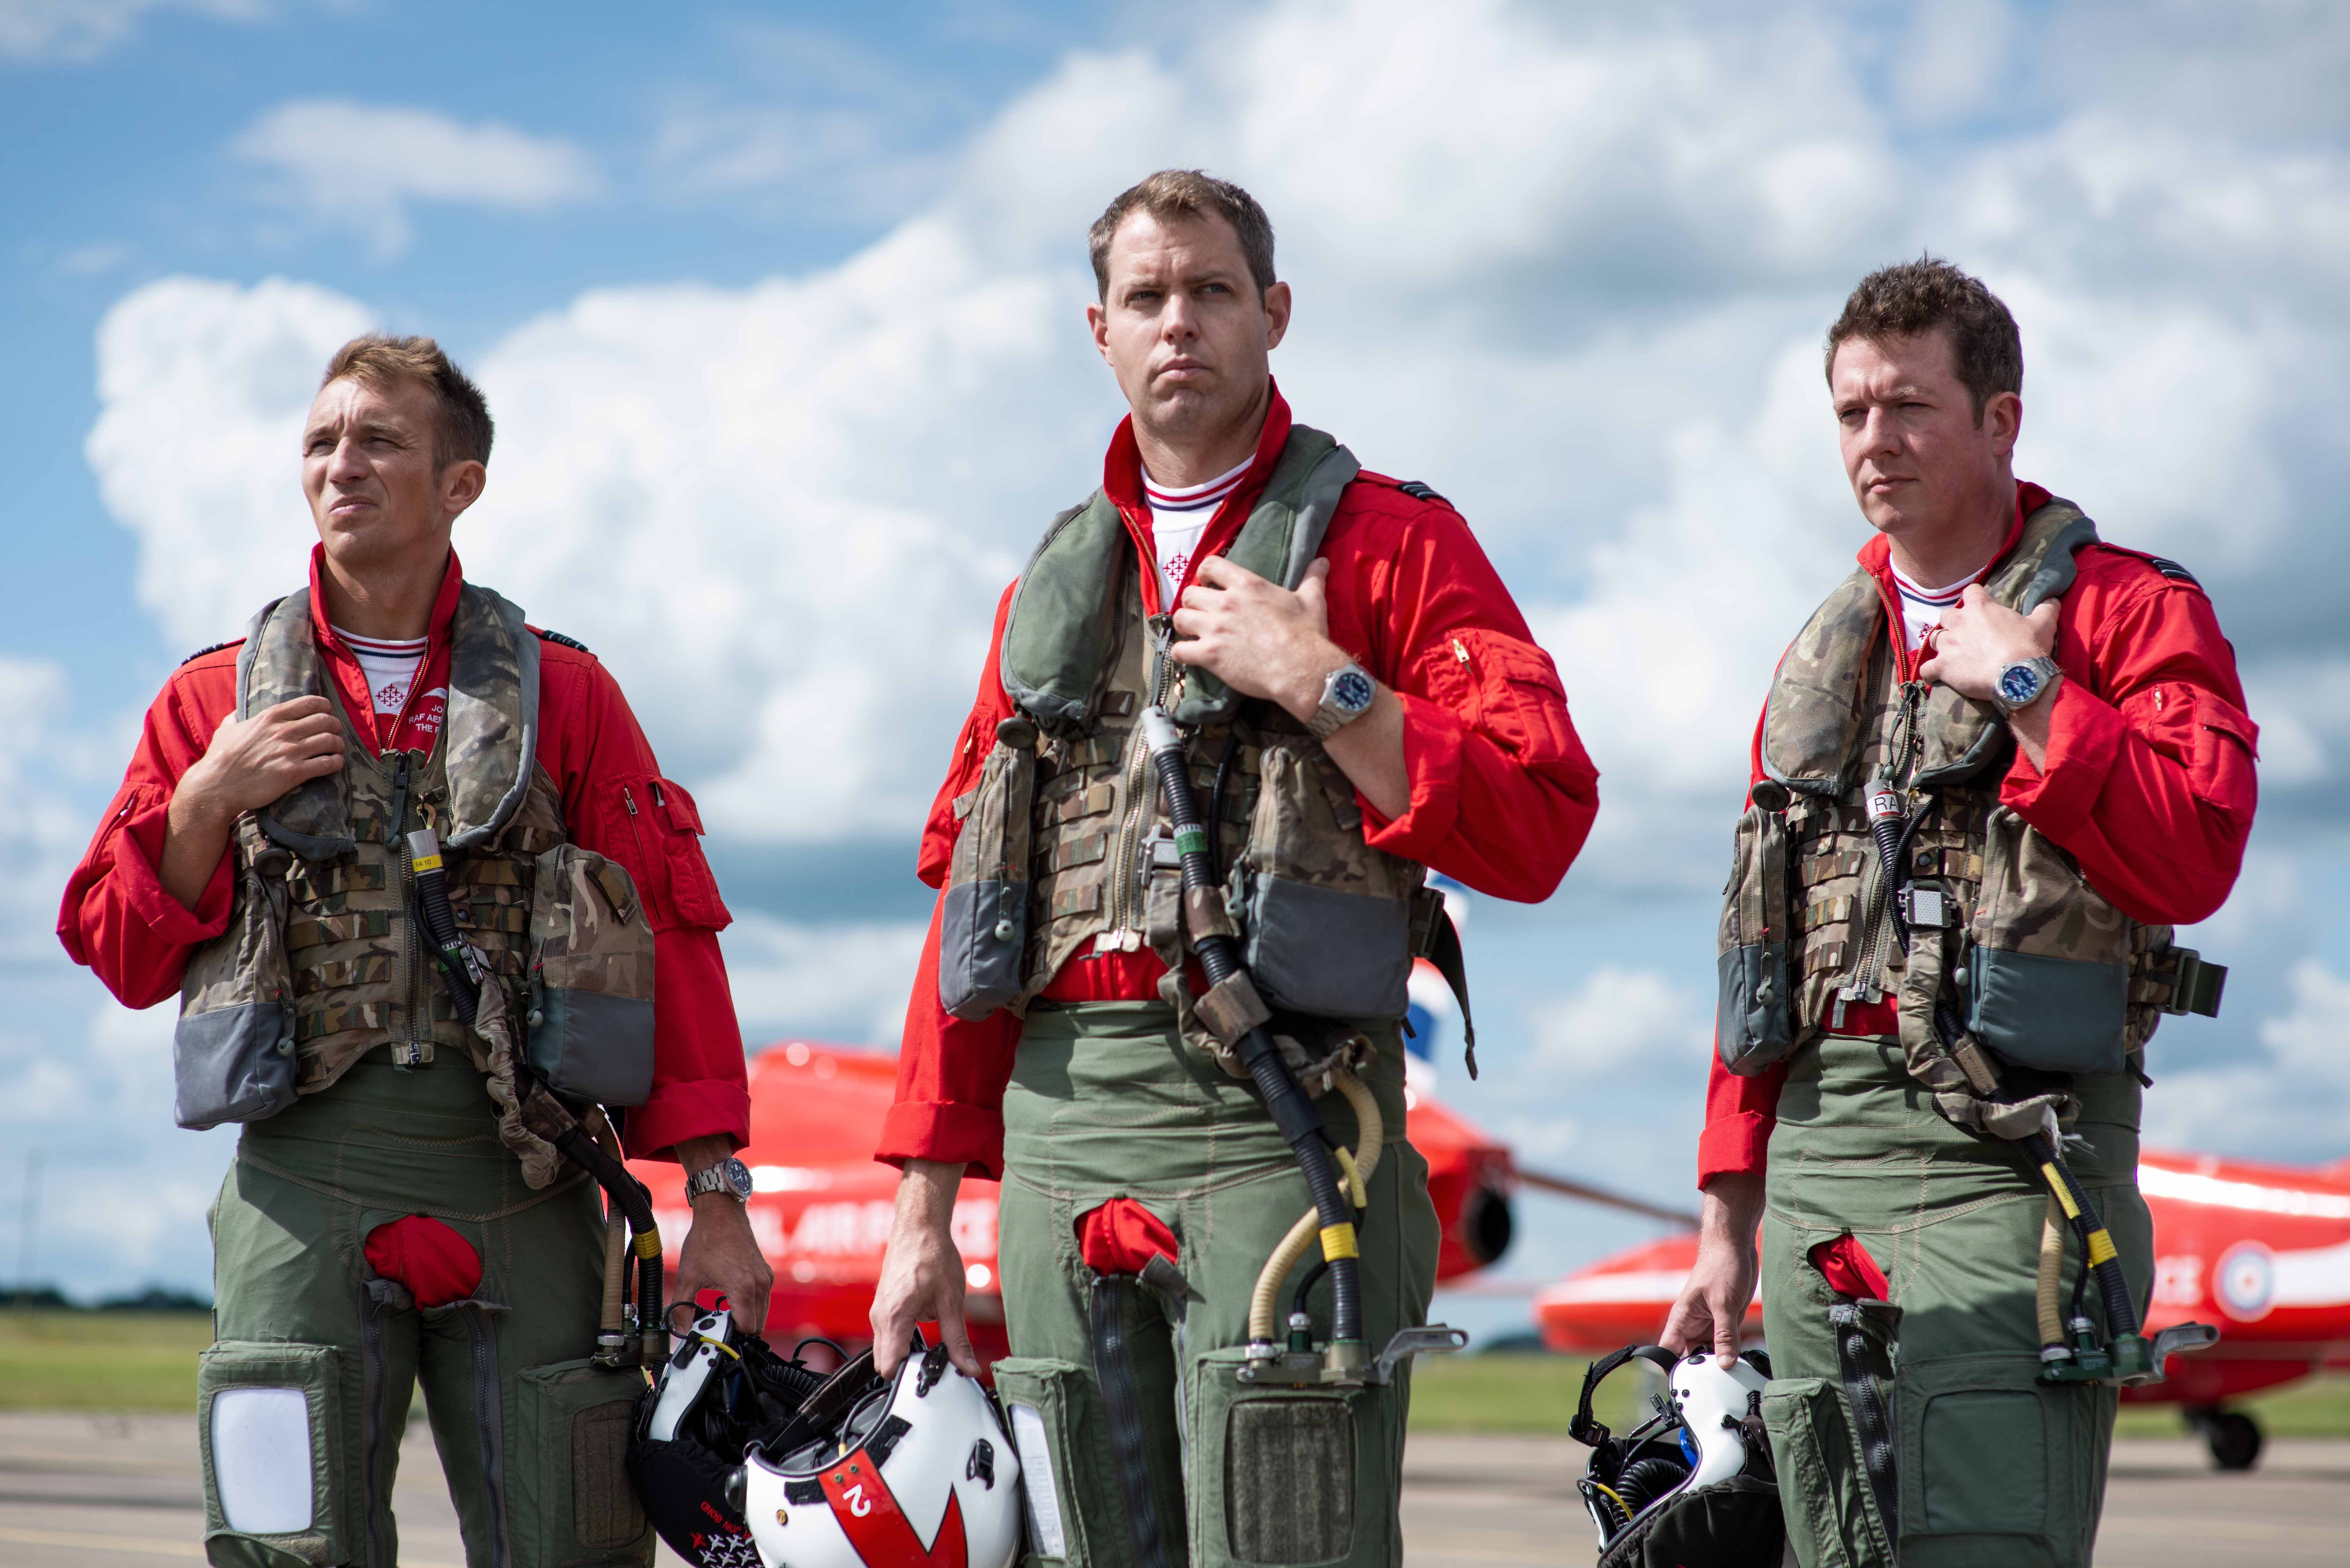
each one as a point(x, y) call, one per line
point(1122, 483)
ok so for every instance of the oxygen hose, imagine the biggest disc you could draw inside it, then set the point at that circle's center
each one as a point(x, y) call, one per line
point(612, 1326)
point(545, 1114)
point(1293, 1113)
point(2121, 1313)
point(2066, 1192)
point(2051, 1281)
point(1885, 824)
point(458, 965)
point(1265, 1300)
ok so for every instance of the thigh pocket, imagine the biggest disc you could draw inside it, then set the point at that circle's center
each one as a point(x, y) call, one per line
point(1832, 1517)
point(1994, 1463)
point(1289, 1476)
point(270, 1421)
point(1046, 1404)
point(567, 1476)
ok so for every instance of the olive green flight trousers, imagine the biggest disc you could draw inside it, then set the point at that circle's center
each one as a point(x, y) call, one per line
point(304, 1395)
point(1997, 1469)
point(1105, 1101)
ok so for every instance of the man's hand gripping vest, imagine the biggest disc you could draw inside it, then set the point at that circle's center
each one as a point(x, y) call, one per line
point(1066, 846)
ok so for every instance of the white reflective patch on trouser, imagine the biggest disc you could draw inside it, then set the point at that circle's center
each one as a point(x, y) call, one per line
point(261, 1460)
point(1037, 1475)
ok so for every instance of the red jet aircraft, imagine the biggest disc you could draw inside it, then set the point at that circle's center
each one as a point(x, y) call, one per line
point(2262, 1250)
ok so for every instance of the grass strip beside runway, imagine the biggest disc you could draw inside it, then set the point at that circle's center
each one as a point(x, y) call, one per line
point(147, 1361)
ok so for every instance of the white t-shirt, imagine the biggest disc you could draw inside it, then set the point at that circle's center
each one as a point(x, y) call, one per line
point(1178, 517)
point(390, 666)
point(1923, 607)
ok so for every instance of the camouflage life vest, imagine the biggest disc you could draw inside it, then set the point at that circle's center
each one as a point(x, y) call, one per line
point(2004, 934)
point(323, 959)
point(1065, 848)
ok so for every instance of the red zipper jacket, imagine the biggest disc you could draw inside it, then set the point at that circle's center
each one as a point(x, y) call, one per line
point(118, 919)
point(1501, 792)
point(2149, 783)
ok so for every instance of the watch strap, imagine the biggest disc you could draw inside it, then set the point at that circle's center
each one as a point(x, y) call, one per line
point(2051, 675)
point(717, 1179)
point(1331, 717)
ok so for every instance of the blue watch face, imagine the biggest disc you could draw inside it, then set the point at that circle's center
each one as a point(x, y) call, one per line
point(2019, 684)
point(1351, 691)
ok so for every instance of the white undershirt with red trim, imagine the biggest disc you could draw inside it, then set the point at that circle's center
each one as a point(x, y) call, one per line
point(1922, 608)
point(390, 666)
point(1178, 517)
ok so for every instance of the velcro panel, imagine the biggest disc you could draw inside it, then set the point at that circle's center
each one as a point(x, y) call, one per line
point(1289, 1480)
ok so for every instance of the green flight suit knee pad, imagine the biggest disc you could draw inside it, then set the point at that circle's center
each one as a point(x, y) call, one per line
point(278, 1436)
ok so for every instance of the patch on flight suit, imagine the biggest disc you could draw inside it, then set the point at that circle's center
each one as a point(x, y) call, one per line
point(216, 648)
point(1419, 491)
point(557, 637)
point(2173, 570)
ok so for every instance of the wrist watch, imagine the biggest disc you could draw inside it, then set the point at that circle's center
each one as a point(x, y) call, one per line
point(1346, 695)
point(729, 1176)
point(2021, 684)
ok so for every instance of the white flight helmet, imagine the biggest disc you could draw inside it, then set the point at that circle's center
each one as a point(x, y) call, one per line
point(917, 1474)
point(1694, 1485)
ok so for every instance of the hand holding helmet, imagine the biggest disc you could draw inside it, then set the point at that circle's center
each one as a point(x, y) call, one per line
point(745, 1460)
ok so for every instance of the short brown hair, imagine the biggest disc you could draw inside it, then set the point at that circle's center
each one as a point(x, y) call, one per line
point(380, 361)
point(1918, 296)
point(1187, 194)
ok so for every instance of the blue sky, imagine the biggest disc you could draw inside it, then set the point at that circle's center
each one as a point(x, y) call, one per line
point(779, 312)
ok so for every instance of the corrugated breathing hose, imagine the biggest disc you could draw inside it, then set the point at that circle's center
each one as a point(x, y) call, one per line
point(1293, 1113)
point(1265, 1300)
point(2050, 1284)
point(2105, 1263)
point(1889, 827)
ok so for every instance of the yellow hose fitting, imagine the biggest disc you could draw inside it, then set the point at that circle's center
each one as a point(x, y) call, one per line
point(1338, 1241)
point(2101, 1249)
point(649, 1244)
point(2063, 1191)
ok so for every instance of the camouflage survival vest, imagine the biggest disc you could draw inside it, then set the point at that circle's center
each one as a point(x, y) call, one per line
point(2005, 938)
point(324, 959)
point(1066, 849)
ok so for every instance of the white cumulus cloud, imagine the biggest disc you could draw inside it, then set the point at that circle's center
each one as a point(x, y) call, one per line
point(359, 165)
point(85, 29)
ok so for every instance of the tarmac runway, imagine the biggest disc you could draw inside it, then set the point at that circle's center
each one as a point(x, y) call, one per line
point(114, 1491)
